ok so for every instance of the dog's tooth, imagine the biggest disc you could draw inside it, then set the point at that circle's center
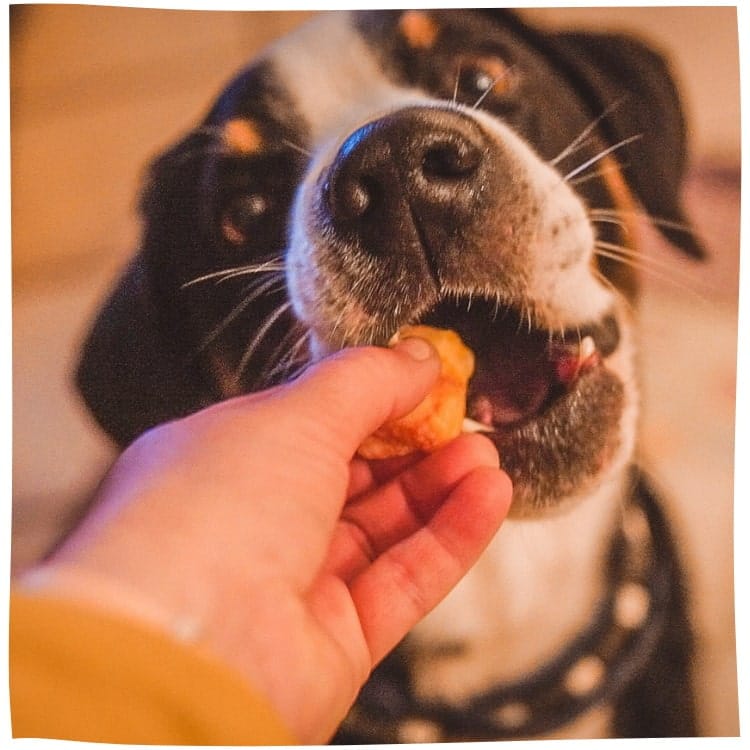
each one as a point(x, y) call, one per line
point(471, 425)
point(586, 348)
point(569, 363)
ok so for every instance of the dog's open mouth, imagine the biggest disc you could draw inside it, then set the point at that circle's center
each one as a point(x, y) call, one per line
point(521, 371)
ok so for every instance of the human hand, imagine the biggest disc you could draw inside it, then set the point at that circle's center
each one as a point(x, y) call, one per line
point(250, 526)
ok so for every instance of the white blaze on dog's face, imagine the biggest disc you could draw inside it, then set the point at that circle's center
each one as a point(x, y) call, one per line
point(375, 169)
point(414, 208)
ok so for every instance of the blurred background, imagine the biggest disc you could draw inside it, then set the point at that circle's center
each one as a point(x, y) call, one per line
point(97, 91)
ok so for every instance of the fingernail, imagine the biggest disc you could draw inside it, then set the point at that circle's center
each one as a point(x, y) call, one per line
point(416, 348)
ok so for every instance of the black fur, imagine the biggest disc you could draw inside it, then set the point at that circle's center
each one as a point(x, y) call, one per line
point(144, 360)
point(660, 701)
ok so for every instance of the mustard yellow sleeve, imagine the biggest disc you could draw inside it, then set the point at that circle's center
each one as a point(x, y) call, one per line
point(80, 674)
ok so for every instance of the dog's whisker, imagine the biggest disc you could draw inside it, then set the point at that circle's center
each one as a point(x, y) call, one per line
point(670, 224)
point(583, 137)
point(277, 273)
point(251, 293)
point(235, 312)
point(655, 272)
point(485, 94)
point(284, 346)
point(295, 351)
point(647, 260)
point(293, 374)
point(285, 362)
point(575, 145)
point(239, 308)
point(610, 220)
point(454, 100)
point(613, 212)
point(491, 86)
point(594, 175)
point(258, 287)
point(259, 336)
point(295, 357)
point(655, 220)
point(605, 152)
point(268, 374)
point(275, 264)
point(288, 368)
point(570, 151)
point(623, 249)
point(297, 147)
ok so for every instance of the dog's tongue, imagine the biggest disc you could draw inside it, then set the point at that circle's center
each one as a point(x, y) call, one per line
point(511, 383)
point(514, 374)
point(520, 369)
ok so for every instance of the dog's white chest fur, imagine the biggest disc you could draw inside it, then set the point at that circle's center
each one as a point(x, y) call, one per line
point(534, 589)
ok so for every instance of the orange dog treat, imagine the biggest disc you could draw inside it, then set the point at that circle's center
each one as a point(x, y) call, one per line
point(439, 417)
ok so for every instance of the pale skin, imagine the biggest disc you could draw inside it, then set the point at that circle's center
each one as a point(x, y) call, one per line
point(297, 563)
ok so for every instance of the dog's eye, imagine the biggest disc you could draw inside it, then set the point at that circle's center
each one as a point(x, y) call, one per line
point(483, 77)
point(243, 213)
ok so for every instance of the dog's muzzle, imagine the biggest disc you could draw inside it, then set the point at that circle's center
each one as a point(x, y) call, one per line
point(436, 215)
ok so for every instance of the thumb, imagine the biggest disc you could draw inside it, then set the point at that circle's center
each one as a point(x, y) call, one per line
point(353, 392)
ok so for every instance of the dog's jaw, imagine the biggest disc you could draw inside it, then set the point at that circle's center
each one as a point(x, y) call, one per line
point(536, 586)
point(532, 254)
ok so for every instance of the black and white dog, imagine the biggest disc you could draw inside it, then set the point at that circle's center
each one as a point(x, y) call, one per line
point(460, 169)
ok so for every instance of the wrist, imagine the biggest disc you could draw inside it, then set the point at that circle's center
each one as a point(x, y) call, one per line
point(78, 584)
point(255, 649)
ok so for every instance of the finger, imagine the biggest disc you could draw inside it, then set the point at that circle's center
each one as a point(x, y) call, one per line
point(350, 394)
point(365, 476)
point(411, 578)
point(390, 513)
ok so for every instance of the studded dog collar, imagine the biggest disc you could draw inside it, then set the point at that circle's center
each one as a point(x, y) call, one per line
point(597, 668)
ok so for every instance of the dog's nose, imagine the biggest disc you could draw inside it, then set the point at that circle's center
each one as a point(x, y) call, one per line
point(416, 168)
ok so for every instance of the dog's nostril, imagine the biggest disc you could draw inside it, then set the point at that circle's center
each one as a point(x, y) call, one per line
point(450, 160)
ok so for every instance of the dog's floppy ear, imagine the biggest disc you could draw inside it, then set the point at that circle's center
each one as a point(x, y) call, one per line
point(630, 88)
point(130, 375)
point(633, 84)
point(135, 371)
